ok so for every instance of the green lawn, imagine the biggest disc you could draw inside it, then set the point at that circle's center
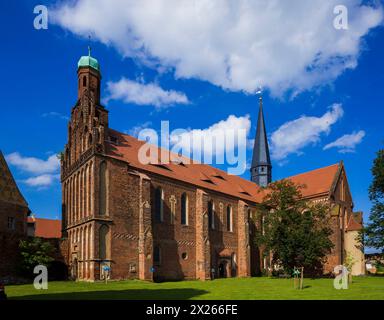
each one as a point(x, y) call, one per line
point(231, 289)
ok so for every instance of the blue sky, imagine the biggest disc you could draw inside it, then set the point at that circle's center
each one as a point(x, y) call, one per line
point(38, 89)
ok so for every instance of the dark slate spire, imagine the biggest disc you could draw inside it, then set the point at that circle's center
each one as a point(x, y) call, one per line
point(261, 168)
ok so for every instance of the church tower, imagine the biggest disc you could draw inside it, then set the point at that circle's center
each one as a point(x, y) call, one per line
point(84, 175)
point(261, 168)
point(88, 126)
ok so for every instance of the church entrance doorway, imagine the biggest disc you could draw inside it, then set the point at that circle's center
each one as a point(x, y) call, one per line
point(224, 268)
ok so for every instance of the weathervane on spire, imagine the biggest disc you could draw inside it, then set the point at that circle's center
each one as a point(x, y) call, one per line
point(260, 93)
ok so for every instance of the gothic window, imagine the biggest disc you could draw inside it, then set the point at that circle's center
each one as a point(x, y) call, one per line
point(103, 189)
point(156, 255)
point(184, 209)
point(84, 81)
point(67, 157)
point(172, 201)
point(104, 242)
point(211, 214)
point(221, 210)
point(229, 219)
point(89, 140)
point(159, 204)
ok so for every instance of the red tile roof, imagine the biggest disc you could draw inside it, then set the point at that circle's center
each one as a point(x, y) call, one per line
point(46, 228)
point(317, 182)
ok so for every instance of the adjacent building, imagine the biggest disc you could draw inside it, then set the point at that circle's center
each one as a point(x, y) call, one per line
point(43, 228)
point(13, 216)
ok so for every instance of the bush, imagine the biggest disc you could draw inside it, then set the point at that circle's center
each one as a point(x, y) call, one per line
point(35, 251)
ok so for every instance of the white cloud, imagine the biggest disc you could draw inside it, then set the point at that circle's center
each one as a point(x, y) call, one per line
point(241, 45)
point(210, 137)
point(54, 114)
point(134, 131)
point(144, 94)
point(294, 135)
point(347, 143)
point(34, 165)
point(43, 180)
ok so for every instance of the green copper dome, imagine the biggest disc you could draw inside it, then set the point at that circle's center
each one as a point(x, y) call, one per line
point(88, 61)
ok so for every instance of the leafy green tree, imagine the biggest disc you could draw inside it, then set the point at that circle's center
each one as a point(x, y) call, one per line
point(374, 231)
point(295, 230)
point(35, 251)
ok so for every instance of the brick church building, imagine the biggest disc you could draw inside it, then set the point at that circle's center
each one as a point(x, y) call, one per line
point(171, 221)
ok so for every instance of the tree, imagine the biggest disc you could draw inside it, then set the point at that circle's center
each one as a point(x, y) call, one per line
point(374, 231)
point(35, 251)
point(295, 230)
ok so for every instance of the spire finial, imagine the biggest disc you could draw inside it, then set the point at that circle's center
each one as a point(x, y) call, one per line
point(260, 93)
point(89, 45)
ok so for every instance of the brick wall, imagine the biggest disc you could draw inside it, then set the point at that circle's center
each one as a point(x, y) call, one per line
point(9, 239)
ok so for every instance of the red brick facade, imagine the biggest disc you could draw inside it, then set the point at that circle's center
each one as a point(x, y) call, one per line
point(199, 228)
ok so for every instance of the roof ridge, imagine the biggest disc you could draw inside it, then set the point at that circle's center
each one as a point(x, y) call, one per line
point(305, 172)
point(36, 218)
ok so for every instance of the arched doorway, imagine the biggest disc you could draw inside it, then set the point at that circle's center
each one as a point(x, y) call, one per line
point(223, 269)
point(225, 263)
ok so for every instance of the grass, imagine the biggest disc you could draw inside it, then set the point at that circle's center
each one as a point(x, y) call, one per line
point(367, 288)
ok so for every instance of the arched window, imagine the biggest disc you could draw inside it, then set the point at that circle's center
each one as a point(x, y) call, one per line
point(156, 256)
point(229, 219)
point(84, 81)
point(159, 204)
point(103, 189)
point(184, 209)
point(211, 214)
point(104, 242)
point(90, 140)
point(67, 157)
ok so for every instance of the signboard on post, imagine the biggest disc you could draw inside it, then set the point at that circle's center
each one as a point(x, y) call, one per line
point(105, 272)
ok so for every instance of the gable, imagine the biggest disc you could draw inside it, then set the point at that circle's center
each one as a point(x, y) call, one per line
point(340, 189)
point(9, 191)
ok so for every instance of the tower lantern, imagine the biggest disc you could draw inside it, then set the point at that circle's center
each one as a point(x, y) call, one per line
point(89, 76)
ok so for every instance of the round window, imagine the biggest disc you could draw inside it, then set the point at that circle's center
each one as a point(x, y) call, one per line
point(184, 256)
